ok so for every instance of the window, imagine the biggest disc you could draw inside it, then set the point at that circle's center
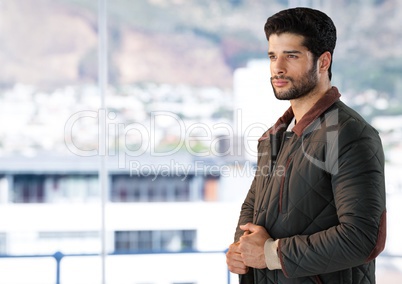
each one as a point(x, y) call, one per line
point(3, 243)
point(127, 188)
point(54, 188)
point(170, 240)
point(29, 189)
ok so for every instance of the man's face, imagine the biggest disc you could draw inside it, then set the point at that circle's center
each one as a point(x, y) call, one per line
point(294, 74)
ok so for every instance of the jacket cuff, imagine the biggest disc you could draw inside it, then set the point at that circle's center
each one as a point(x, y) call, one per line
point(271, 254)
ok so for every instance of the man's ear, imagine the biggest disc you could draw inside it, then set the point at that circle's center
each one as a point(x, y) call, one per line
point(324, 62)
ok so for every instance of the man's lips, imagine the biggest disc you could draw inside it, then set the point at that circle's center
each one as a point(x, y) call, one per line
point(279, 82)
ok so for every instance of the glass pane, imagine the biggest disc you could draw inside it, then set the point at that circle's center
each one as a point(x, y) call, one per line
point(187, 98)
point(48, 103)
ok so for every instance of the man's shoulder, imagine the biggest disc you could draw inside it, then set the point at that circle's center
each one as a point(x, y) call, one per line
point(351, 125)
point(347, 114)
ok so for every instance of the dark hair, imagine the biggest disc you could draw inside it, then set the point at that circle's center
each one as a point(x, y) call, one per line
point(316, 27)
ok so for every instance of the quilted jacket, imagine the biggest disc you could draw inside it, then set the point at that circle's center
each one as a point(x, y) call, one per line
point(320, 190)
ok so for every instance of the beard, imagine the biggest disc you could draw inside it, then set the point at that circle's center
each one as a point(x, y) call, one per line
point(299, 88)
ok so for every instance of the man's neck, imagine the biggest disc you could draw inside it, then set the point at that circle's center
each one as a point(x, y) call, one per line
point(302, 105)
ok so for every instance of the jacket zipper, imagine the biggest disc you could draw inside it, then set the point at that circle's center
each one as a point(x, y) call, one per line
point(282, 186)
point(318, 280)
point(268, 178)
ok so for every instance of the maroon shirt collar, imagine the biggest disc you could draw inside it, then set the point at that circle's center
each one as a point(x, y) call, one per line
point(331, 96)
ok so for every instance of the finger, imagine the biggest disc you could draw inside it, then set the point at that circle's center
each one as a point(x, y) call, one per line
point(244, 227)
point(249, 227)
point(234, 257)
point(234, 248)
point(233, 251)
point(242, 240)
point(244, 247)
point(236, 266)
point(238, 270)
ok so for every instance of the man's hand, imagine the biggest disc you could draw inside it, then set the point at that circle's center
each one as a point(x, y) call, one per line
point(251, 245)
point(234, 260)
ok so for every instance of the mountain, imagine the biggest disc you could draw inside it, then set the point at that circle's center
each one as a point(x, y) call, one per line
point(52, 42)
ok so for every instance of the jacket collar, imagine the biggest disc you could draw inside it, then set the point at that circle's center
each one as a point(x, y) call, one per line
point(319, 108)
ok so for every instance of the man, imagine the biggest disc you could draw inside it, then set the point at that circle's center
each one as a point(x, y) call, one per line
point(315, 211)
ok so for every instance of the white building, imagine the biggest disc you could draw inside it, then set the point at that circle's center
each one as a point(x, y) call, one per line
point(156, 208)
point(255, 107)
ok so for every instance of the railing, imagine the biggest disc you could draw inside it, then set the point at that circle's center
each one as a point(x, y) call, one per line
point(383, 274)
point(59, 256)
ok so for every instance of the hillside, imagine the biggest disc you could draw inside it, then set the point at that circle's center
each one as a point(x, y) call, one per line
point(200, 43)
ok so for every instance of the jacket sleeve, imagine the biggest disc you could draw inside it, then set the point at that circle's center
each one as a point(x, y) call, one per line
point(359, 196)
point(247, 210)
point(246, 215)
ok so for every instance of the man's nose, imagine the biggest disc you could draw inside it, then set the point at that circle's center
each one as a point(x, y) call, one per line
point(279, 67)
